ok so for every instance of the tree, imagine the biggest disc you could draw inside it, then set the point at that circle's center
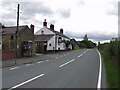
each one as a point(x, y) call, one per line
point(2, 25)
point(85, 43)
point(74, 43)
point(85, 38)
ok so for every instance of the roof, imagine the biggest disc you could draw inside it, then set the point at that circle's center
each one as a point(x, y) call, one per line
point(58, 33)
point(11, 30)
point(43, 37)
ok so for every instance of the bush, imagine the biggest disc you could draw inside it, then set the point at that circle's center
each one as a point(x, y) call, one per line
point(112, 49)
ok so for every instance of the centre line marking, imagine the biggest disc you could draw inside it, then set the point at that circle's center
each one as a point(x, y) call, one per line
point(66, 63)
point(14, 68)
point(100, 72)
point(85, 52)
point(28, 64)
point(46, 60)
point(39, 61)
point(80, 55)
point(26, 82)
point(56, 57)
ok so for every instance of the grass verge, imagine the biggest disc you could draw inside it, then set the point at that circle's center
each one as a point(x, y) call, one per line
point(77, 48)
point(111, 71)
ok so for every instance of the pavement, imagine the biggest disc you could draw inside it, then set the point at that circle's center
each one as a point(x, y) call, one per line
point(73, 69)
point(25, 60)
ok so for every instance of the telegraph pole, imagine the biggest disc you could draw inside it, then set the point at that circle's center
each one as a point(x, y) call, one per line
point(17, 32)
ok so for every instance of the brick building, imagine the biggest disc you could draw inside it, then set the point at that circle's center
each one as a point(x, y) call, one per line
point(24, 45)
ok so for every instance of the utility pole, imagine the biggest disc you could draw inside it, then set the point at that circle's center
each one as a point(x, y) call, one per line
point(17, 32)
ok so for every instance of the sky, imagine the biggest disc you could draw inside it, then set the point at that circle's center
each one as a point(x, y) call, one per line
point(96, 18)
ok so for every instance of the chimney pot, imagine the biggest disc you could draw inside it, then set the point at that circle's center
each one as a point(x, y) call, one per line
point(61, 30)
point(52, 27)
point(45, 23)
point(32, 28)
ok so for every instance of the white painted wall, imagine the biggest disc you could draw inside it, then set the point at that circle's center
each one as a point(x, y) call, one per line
point(52, 42)
point(61, 45)
point(45, 31)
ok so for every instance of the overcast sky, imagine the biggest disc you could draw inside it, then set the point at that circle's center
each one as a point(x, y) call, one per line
point(96, 18)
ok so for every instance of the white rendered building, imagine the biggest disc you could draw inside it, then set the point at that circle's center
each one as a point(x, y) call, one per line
point(49, 39)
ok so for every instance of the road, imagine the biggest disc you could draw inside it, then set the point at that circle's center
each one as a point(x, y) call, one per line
point(76, 69)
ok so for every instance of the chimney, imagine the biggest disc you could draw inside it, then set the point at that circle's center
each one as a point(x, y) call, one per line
point(51, 26)
point(32, 28)
point(61, 30)
point(45, 23)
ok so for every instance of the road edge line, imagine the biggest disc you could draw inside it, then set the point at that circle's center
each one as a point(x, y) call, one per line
point(100, 72)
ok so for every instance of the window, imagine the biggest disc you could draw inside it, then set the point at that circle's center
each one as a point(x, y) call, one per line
point(50, 44)
point(58, 48)
point(59, 40)
point(42, 32)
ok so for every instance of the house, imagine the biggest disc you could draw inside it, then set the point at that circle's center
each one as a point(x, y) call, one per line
point(48, 39)
point(18, 44)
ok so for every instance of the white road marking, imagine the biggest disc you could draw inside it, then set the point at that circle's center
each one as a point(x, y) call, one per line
point(46, 60)
point(26, 82)
point(100, 72)
point(39, 61)
point(28, 64)
point(14, 68)
point(39, 54)
point(64, 54)
point(80, 55)
point(66, 63)
point(56, 57)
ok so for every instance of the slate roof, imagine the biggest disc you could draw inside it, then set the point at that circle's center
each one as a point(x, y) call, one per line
point(11, 30)
point(58, 33)
point(43, 37)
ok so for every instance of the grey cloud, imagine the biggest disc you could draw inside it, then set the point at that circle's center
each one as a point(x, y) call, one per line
point(9, 16)
point(33, 8)
point(9, 22)
point(52, 21)
point(96, 36)
point(65, 13)
point(28, 10)
point(11, 11)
